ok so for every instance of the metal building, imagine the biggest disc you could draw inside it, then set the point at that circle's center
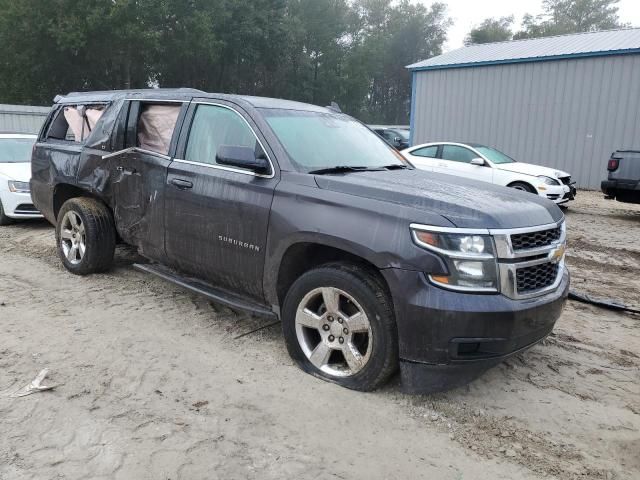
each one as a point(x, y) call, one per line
point(565, 102)
point(22, 118)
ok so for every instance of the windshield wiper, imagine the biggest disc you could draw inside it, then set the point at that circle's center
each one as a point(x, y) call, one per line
point(395, 166)
point(344, 169)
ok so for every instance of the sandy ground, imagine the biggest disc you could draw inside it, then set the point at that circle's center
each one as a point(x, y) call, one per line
point(153, 383)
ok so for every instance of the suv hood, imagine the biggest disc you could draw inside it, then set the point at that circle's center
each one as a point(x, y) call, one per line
point(20, 172)
point(531, 169)
point(465, 203)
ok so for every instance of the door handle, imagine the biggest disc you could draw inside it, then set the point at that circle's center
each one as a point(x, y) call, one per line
point(182, 184)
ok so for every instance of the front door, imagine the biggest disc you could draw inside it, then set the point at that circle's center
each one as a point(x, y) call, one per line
point(456, 160)
point(217, 217)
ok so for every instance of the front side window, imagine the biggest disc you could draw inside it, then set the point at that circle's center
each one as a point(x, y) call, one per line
point(318, 140)
point(456, 153)
point(16, 150)
point(429, 152)
point(214, 126)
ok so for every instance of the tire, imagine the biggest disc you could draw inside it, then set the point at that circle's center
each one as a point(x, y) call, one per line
point(522, 186)
point(92, 224)
point(4, 220)
point(372, 343)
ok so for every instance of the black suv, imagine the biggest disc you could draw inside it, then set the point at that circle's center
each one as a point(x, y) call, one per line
point(298, 212)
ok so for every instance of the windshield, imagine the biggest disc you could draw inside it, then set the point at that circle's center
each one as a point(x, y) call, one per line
point(316, 140)
point(494, 155)
point(16, 150)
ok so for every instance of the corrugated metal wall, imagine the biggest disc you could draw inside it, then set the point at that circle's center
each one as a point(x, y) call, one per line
point(22, 118)
point(567, 114)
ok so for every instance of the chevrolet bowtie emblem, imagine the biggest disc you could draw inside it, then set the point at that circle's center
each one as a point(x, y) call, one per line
point(558, 254)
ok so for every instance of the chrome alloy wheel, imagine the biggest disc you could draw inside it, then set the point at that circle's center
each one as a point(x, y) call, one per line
point(73, 239)
point(334, 331)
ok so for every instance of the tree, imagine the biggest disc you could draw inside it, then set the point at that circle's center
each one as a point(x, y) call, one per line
point(491, 30)
point(350, 51)
point(571, 16)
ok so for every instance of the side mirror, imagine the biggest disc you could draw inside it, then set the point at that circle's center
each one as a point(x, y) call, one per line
point(478, 161)
point(241, 157)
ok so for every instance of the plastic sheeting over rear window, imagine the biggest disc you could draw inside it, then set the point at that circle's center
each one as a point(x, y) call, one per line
point(156, 125)
point(81, 125)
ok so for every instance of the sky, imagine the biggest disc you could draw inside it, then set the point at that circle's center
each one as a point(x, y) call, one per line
point(468, 13)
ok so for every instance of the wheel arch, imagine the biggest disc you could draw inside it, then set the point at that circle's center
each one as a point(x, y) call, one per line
point(523, 182)
point(66, 191)
point(300, 257)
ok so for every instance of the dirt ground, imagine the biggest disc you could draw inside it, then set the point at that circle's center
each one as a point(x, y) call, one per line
point(153, 383)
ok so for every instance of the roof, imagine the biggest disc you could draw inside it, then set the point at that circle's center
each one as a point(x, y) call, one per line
point(578, 45)
point(17, 135)
point(23, 109)
point(185, 94)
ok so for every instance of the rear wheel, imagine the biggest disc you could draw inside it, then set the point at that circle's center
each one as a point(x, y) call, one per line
point(4, 220)
point(524, 187)
point(339, 325)
point(85, 235)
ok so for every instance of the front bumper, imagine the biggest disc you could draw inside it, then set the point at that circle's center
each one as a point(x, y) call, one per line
point(18, 205)
point(559, 193)
point(448, 338)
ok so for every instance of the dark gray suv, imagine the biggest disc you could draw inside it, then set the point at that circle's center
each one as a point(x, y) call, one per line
point(298, 212)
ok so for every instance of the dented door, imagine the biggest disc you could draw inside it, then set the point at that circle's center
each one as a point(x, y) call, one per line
point(139, 187)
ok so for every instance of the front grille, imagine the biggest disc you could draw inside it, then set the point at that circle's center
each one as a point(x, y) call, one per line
point(566, 180)
point(536, 277)
point(542, 238)
point(26, 208)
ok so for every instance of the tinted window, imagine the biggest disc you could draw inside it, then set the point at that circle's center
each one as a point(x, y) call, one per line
point(214, 126)
point(430, 152)
point(457, 154)
point(16, 150)
point(316, 140)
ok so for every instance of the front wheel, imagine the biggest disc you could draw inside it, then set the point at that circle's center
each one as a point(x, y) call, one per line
point(85, 235)
point(339, 325)
point(524, 187)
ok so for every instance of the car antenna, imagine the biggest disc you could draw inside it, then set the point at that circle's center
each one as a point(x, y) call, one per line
point(335, 107)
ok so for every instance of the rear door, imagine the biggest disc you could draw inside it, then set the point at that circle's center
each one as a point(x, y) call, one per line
point(217, 217)
point(139, 172)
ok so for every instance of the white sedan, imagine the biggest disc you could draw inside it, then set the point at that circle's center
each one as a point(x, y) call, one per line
point(487, 164)
point(15, 173)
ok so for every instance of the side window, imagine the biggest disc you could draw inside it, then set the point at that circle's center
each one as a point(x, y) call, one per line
point(74, 123)
point(155, 126)
point(430, 152)
point(457, 154)
point(214, 126)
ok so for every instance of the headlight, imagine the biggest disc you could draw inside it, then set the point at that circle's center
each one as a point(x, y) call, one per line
point(548, 180)
point(470, 259)
point(19, 187)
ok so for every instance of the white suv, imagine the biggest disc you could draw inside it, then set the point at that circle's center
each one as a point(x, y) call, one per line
point(487, 164)
point(15, 173)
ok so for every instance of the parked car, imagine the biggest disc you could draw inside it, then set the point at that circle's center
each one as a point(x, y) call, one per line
point(396, 136)
point(472, 160)
point(301, 213)
point(15, 172)
point(623, 182)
